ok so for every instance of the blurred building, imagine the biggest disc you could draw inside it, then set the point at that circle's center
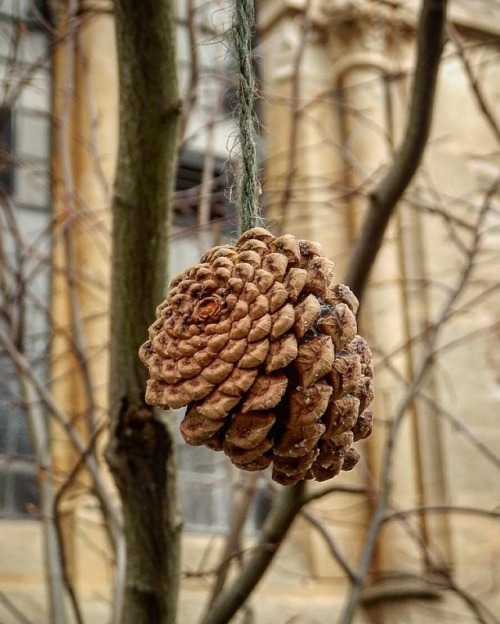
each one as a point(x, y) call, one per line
point(335, 84)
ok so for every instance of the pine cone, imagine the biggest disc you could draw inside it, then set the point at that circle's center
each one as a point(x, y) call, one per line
point(261, 347)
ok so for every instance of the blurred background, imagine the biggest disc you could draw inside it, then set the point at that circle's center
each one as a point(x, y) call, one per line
point(334, 84)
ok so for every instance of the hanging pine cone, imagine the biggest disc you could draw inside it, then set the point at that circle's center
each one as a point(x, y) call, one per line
point(261, 347)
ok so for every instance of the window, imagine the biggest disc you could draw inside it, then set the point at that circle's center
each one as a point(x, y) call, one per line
point(204, 476)
point(18, 482)
point(6, 157)
point(204, 484)
point(24, 238)
point(189, 191)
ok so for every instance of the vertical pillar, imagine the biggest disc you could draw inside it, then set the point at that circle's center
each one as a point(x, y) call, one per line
point(84, 148)
point(302, 195)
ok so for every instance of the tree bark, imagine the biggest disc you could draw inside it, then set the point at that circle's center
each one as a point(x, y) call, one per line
point(140, 448)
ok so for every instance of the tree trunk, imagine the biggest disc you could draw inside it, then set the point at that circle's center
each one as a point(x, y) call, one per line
point(140, 449)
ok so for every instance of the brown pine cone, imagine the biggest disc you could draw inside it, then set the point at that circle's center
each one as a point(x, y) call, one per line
point(260, 345)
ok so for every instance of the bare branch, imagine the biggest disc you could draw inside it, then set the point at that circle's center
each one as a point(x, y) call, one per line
point(111, 514)
point(234, 535)
point(407, 159)
point(321, 493)
point(330, 543)
point(55, 569)
point(445, 509)
point(13, 610)
point(57, 515)
point(273, 534)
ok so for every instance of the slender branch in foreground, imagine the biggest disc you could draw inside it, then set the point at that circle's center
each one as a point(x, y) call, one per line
point(228, 602)
point(407, 159)
point(234, 535)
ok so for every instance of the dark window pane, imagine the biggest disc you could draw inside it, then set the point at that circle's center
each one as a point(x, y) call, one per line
point(25, 491)
point(19, 494)
point(6, 157)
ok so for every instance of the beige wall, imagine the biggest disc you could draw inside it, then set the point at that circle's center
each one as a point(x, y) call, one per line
point(310, 127)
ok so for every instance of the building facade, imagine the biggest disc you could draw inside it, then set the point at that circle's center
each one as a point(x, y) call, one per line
point(335, 80)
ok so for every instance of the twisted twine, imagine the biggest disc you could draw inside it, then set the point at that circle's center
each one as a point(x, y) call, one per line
point(248, 175)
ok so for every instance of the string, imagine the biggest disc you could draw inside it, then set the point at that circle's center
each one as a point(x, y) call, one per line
point(248, 175)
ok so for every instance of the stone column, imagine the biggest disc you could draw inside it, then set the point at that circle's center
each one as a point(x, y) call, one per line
point(84, 147)
point(303, 168)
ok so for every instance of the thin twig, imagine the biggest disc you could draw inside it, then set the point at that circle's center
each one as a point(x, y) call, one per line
point(330, 543)
point(13, 610)
point(474, 82)
point(56, 519)
point(55, 569)
point(111, 513)
point(233, 537)
point(273, 533)
point(445, 509)
point(316, 494)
